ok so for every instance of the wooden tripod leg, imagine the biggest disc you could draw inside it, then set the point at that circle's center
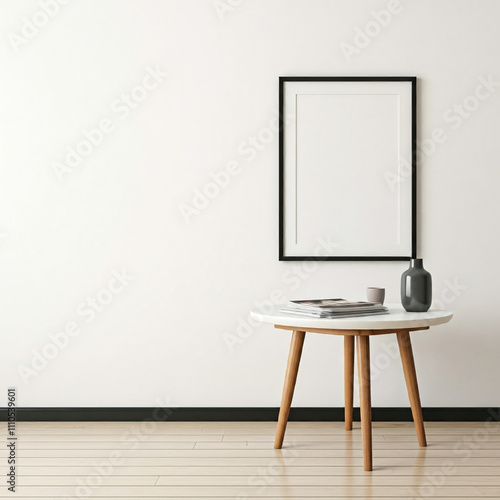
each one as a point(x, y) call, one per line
point(289, 386)
point(348, 380)
point(363, 348)
point(408, 362)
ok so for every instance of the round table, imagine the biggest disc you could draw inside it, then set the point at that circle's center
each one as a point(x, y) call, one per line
point(398, 321)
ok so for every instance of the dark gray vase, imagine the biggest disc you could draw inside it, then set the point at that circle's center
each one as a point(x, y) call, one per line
point(416, 287)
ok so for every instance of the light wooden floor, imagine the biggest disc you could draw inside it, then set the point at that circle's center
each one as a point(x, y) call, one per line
point(237, 460)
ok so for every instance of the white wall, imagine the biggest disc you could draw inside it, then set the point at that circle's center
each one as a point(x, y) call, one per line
point(162, 336)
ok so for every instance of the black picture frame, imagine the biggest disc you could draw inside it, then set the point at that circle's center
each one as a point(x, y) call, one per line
point(283, 256)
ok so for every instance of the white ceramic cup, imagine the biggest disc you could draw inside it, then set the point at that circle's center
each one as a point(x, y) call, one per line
point(375, 294)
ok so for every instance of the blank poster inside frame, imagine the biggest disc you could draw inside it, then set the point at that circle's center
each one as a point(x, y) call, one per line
point(347, 168)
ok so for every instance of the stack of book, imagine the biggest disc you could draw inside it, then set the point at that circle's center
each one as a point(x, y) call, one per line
point(333, 308)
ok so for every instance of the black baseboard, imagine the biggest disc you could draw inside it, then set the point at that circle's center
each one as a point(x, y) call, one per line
point(194, 414)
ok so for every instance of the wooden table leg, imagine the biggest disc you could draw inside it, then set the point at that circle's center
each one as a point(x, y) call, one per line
point(292, 369)
point(348, 380)
point(408, 362)
point(363, 348)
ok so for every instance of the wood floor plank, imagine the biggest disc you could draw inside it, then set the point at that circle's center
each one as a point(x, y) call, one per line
point(76, 480)
point(341, 445)
point(350, 468)
point(105, 445)
point(159, 429)
point(259, 453)
point(240, 427)
point(127, 437)
point(326, 480)
point(462, 444)
point(238, 491)
point(249, 461)
point(249, 480)
point(405, 497)
point(450, 438)
point(310, 438)
point(489, 491)
point(407, 430)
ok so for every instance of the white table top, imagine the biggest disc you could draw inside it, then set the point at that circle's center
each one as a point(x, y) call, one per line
point(397, 318)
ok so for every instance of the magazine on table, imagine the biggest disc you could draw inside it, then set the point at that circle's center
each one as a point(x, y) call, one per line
point(333, 308)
